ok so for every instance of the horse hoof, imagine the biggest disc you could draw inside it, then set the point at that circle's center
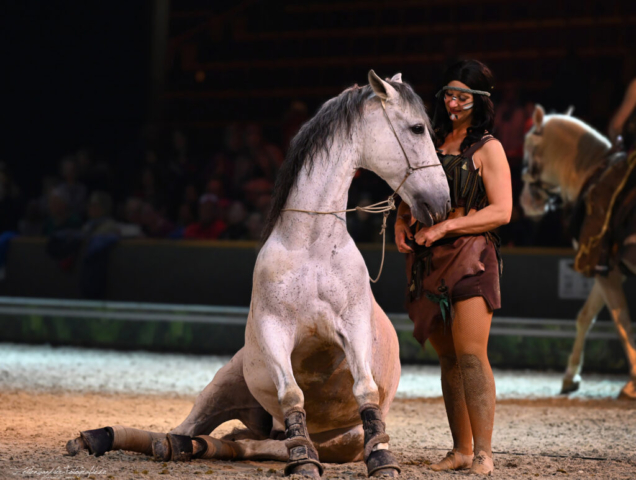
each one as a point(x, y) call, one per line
point(382, 463)
point(73, 447)
point(308, 470)
point(180, 447)
point(569, 386)
point(386, 472)
point(161, 450)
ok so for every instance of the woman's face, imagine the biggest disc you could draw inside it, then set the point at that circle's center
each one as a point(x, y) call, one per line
point(459, 105)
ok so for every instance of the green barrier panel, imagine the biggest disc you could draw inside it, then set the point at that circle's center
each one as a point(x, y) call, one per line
point(511, 351)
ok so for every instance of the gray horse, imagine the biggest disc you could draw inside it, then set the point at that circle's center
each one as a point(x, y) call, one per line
point(320, 366)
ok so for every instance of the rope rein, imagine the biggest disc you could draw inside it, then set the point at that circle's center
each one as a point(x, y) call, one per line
point(385, 206)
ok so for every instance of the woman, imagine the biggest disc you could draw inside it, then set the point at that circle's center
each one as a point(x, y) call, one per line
point(453, 268)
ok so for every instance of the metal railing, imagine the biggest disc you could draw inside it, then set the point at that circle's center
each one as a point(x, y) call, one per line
point(223, 315)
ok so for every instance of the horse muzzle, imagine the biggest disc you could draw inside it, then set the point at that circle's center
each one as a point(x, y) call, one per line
point(429, 211)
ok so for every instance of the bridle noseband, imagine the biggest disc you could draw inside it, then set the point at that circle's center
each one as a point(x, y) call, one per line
point(531, 175)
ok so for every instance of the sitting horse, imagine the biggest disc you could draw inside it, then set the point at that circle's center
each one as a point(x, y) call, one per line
point(566, 158)
point(320, 366)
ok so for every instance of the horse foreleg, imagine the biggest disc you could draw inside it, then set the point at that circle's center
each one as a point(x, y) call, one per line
point(584, 321)
point(614, 296)
point(276, 343)
point(357, 336)
point(226, 398)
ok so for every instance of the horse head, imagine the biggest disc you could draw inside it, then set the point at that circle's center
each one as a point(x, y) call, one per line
point(560, 151)
point(397, 146)
point(535, 196)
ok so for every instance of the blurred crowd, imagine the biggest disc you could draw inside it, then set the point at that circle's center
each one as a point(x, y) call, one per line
point(163, 187)
point(156, 189)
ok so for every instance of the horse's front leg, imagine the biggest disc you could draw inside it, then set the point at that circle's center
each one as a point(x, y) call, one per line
point(614, 296)
point(584, 321)
point(275, 338)
point(357, 333)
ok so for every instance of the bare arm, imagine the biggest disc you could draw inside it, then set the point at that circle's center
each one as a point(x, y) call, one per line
point(404, 213)
point(402, 230)
point(495, 172)
point(623, 112)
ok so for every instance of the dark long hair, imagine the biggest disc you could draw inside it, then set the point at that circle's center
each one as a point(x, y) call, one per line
point(476, 76)
point(336, 116)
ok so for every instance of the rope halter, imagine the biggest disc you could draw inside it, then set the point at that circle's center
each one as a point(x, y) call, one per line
point(385, 206)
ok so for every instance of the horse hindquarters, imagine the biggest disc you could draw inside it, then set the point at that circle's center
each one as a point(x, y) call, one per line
point(226, 397)
point(612, 290)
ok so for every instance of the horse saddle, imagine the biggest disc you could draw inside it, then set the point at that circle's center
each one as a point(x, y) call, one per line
point(605, 216)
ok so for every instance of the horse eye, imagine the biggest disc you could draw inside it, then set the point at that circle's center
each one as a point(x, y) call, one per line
point(417, 129)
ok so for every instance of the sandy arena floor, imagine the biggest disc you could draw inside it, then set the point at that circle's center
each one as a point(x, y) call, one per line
point(584, 437)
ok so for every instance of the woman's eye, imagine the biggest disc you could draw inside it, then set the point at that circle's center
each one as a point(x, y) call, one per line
point(417, 129)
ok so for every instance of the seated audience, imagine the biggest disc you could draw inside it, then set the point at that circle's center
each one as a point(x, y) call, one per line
point(210, 225)
point(60, 216)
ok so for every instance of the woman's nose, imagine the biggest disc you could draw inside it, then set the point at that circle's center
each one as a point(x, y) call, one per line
point(452, 103)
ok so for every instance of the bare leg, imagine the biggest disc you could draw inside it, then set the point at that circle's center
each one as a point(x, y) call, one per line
point(471, 328)
point(226, 398)
point(455, 402)
point(612, 290)
point(584, 321)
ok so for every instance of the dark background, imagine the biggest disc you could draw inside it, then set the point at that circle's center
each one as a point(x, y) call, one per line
point(78, 74)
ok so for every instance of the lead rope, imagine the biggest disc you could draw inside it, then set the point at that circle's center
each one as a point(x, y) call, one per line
point(379, 207)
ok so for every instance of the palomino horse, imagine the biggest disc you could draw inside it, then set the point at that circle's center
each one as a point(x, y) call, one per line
point(320, 365)
point(562, 157)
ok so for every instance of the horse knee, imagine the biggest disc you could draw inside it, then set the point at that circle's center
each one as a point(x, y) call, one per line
point(291, 396)
point(365, 391)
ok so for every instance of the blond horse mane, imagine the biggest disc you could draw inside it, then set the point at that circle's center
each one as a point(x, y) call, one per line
point(571, 150)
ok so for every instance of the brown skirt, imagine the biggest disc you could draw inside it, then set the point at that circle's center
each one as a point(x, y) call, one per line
point(453, 269)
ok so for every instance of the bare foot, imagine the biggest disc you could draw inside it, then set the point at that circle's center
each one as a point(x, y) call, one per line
point(482, 465)
point(453, 461)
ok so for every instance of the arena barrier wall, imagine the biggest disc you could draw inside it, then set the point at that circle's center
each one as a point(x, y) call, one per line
point(193, 297)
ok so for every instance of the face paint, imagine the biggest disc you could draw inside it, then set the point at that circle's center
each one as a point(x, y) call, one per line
point(468, 106)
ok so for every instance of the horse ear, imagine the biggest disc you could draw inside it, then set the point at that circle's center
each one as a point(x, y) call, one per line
point(537, 118)
point(397, 78)
point(569, 111)
point(381, 88)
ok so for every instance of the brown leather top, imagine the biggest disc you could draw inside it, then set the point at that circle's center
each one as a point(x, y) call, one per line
point(466, 185)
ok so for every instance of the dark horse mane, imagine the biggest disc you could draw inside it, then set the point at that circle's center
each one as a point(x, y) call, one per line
point(338, 114)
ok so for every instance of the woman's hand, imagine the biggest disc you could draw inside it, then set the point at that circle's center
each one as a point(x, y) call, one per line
point(427, 236)
point(402, 232)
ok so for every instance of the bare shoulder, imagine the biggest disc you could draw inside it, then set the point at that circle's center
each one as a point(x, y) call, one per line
point(491, 152)
point(631, 89)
